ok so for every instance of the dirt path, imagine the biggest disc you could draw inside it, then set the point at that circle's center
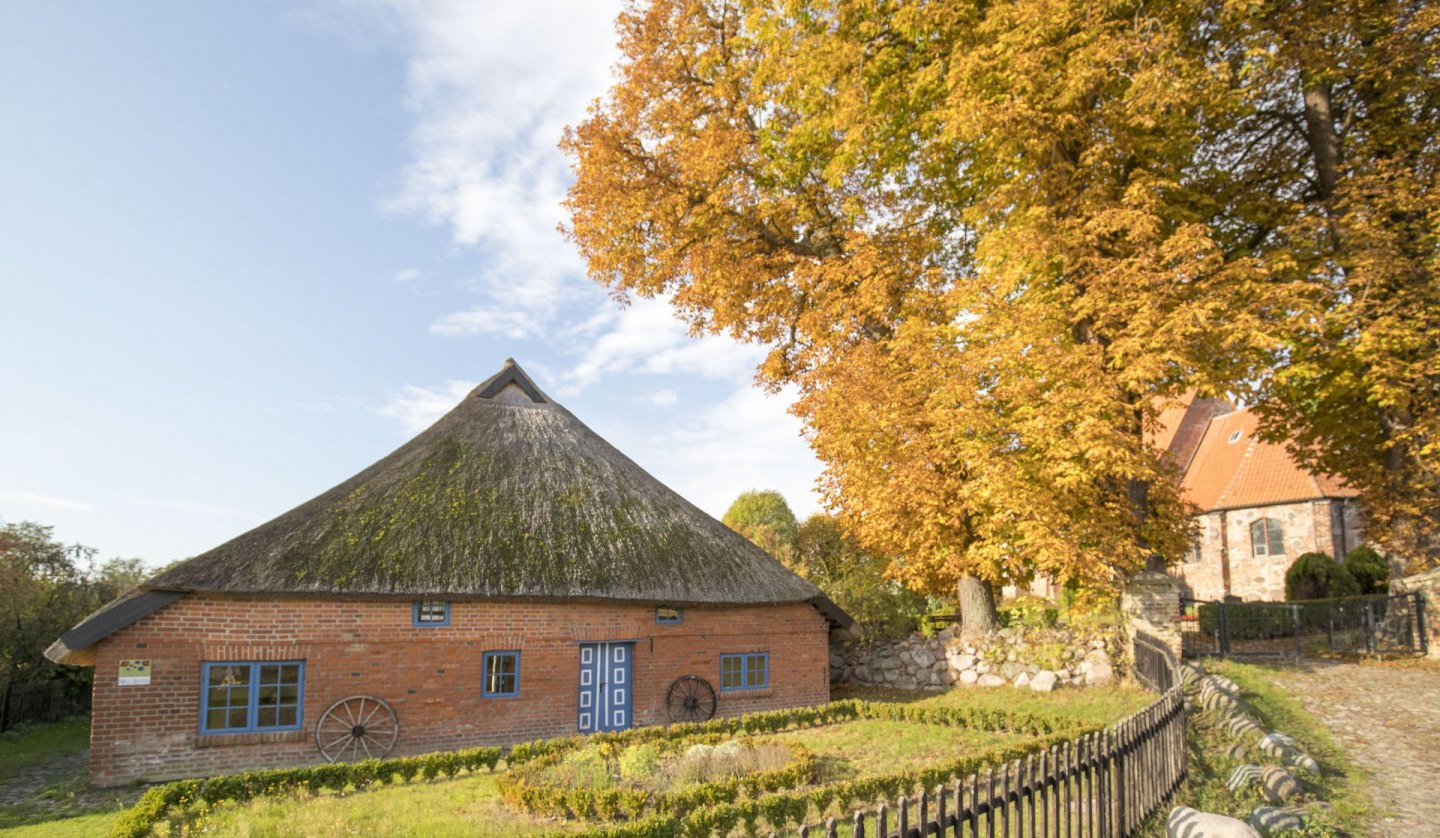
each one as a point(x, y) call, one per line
point(1388, 721)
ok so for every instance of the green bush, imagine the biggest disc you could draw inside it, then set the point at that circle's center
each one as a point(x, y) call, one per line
point(1370, 569)
point(157, 803)
point(639, 762)
point(1317, 576)
point(1031, 611)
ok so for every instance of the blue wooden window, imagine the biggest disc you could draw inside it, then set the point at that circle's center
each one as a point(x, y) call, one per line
point(749, 671)
point(431, 613)
point(244, 697)
point(501, 674)
point(667, 614)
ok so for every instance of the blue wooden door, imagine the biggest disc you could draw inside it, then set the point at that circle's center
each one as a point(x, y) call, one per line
point(605, 686)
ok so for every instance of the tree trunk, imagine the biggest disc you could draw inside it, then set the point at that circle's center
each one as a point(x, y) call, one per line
point(977, 606)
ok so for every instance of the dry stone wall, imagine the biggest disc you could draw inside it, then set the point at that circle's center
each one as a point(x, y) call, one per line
point(1040, 659)
point(1427, 584)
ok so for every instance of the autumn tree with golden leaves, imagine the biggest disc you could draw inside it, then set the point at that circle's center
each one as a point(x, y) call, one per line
point(988, 242)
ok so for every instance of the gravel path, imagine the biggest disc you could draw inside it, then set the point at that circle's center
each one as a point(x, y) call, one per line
point(1387, 719)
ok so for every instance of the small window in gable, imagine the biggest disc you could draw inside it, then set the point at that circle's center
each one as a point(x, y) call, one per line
point(667, 614)
point(1267, 538)
point(1235, 436)
point(431, 613)
point(501, 674)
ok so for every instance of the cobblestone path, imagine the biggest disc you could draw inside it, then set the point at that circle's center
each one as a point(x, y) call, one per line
point(1387, 719)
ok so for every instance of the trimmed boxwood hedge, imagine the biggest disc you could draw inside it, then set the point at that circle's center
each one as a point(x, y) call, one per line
point(520, 789)
point(157, 803)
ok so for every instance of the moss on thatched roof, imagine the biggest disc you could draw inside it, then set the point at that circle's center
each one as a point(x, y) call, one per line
point(508, 496)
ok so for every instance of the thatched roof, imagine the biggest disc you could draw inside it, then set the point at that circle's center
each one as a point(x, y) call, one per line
point(506, 496)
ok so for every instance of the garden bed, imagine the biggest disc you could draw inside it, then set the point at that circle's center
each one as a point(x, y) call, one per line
point(843, 754)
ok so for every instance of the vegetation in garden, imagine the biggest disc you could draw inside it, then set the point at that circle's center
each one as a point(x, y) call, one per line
point(850, 752)
point(1370, 569)
point(37, 744)
point(989, 242)
point(765, 518)
point(1340, 782)
point(46, 587)
point(62, 803)
point(1317, 576)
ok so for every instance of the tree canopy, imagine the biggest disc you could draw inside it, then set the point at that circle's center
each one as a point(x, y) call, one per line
point(990, 242)
point(765, 518)
point(46, 587)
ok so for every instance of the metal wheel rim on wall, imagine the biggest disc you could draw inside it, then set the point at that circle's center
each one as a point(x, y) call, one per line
point(690, 699)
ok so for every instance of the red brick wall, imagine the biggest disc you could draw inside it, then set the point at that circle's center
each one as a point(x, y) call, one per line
point(430, 676)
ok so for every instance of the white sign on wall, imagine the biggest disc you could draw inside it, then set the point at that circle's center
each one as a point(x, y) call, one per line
point(135, 673)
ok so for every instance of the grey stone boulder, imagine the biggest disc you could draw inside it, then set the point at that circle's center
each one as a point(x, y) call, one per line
point(969, 677)
point(1243, 777)
point(991, 680)
point(1279, 785)
point(923, 658)
point(1044, 681)
point(1022, 680)
point(1100, 674)
point(1010, 669)
point(962, 661)
point(1185, 822)
point(1272, 819)
point(1241, 727)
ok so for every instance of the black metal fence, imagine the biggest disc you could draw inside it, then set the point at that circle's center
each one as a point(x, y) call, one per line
point(1366, 624)
point(1103, 784)
point(41, 701)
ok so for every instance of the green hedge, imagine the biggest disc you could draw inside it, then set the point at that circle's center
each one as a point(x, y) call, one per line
point(520, 789)
point(159, 802)
point(790, 809)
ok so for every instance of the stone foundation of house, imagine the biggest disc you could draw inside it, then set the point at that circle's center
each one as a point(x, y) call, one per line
point(430, 676)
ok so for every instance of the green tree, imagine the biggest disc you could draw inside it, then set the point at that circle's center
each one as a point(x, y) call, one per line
point(46, 587)
point(855, 579)
point(989, 242)
point(765, 518)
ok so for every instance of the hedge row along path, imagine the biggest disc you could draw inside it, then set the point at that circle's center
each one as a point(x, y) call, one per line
point(1387, 718)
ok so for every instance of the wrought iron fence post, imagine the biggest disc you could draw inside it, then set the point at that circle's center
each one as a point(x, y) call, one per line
point(1369, 627)
point(1295, 622)
point(1424, 643)
point(1330, 626)
point(1224, 628)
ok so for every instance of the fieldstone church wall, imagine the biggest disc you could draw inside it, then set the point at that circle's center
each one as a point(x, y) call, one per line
point(1428, 585)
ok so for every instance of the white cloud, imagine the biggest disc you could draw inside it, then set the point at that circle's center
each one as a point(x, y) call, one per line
point(416, 408)
point(480, 321)
point(749, 440)
point(492, 87)
point(408, 275)
point(45, 500)
point(192, 507)
point(661, 397)
point(315, 407)
point(647, 337)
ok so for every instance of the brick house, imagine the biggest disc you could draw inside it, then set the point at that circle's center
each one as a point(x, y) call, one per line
point(1259, 509)
point(506, 575)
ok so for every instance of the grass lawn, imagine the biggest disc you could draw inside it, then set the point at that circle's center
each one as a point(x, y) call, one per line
point(870, 746)
point(471, 805)
point(38, 744)
point(1340, 783)
point(56, 800)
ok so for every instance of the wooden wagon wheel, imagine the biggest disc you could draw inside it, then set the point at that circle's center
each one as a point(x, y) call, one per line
point(358, 727)
point(691, 699)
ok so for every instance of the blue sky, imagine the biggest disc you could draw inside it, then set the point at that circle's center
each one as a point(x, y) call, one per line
point(248, 249)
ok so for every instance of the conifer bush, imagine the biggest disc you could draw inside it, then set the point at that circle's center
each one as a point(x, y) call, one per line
point(1317, 576)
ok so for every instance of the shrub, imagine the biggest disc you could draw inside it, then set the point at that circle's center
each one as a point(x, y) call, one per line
point(1317, 576)
point(639, 762)
point(1370, 569)
point(1029, 611)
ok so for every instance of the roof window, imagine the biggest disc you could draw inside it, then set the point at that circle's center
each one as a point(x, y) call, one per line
point(1235, 437)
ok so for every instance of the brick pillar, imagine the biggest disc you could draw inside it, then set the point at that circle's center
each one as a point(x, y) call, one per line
point(1427, 584)
point(1151, 603)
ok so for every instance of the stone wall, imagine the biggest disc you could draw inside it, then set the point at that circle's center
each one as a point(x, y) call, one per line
point(1042, 659)
point(1428, 584)
point(1227, 564)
